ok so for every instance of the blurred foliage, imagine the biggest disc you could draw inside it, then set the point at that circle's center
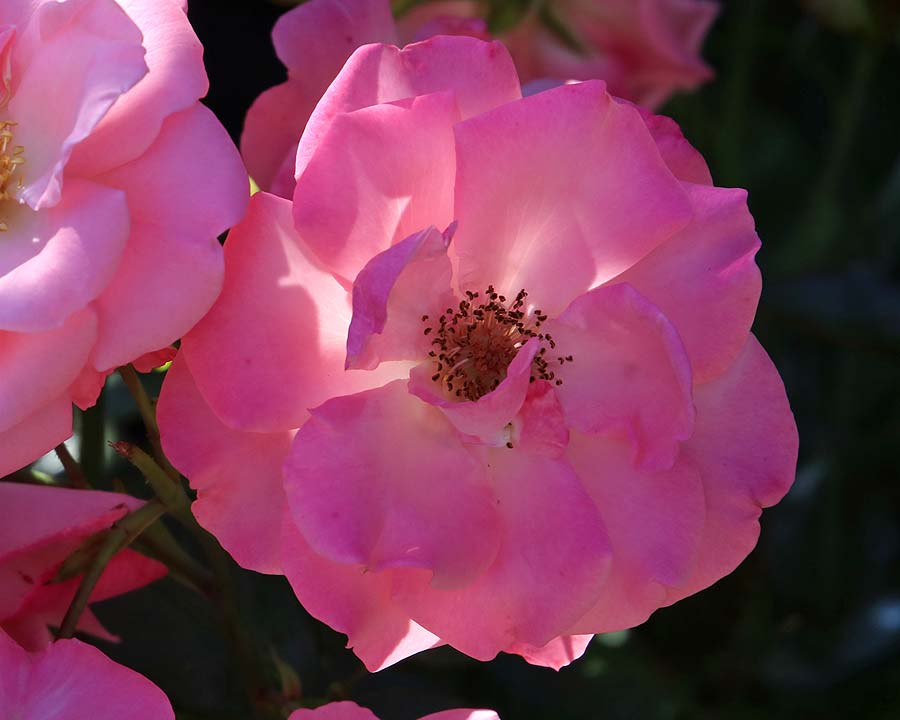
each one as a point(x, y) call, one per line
point(804, 113)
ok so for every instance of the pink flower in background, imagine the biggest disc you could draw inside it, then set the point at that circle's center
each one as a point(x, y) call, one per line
point(488, 381)
point(114, 184)
point(644, 49)
point(73, 681)
point(41, 527)
point(352, 711)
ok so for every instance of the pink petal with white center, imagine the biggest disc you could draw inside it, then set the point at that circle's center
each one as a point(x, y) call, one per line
point(191, 178)
point(44, 524)
point(36, 368)
point(484, 419)
point(685, 162)
point(556, 654)
point(655, 523)
point(83, 54)
point(549, 571)
point(379, 479)
point(318, 37)
point(354, 602)
point(481, 75)
point(274, 343)
point(391, 295)
point(630, 375)
point(54, 262)
point(705, 279)
point(46, 606)
point(237, 475)
point(272, 129)
point(175, 81)
point(560, 192)
point(71, 680)
point(378, 175)
point(35, 435)
point(745, 448)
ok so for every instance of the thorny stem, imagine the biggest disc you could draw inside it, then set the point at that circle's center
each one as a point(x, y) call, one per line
point(122, 533)
point(173, 496)
point(72, 468)
point(148, 415)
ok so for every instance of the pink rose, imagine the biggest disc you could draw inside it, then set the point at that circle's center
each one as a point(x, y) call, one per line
point(488, 380)
point(74, 681)
point(41, 527)
point(114, 183)
point(352, 711)
point(645, 50)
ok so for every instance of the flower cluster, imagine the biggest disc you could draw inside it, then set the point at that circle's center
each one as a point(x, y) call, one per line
point(475, 368)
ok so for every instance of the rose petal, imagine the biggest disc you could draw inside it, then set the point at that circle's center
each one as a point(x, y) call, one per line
point(199, 194)
point(83, 54)
point(550, 569)
point(54, 262)
point(391, 295)
point(237, 475)
point(481, 75)
point(378, 175)
point(604, 200)
point(680, 156)
point(655, 523)
point(335, 711)
point(36, 368)
point(745, 448)
point(423, 502)
point(175, 81)
point(35, 435)
point(354, 602)
point(272, 129)
point(629, 376)
point(462, 715)
point(71, 680)
point(556, 654)
point(44, 524)
point(705, 279)
point(280, 324)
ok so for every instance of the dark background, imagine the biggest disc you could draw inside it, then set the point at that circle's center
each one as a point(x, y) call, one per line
point(805, 115)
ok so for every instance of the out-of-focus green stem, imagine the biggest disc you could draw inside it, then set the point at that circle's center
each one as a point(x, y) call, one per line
point(118, 537)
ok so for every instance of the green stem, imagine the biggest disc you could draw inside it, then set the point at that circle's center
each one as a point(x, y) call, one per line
point(119, 536)
point(148, 415)
point(72, 468)
point(173, 496)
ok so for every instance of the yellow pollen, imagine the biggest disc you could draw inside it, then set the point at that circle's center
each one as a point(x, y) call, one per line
point(475, 343)
point(12, 157)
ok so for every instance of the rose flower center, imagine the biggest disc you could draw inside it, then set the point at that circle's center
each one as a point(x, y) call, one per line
point(476, 342)
point(12, 157)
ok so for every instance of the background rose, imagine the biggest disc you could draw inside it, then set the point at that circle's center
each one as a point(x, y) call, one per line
point(126, 182)
point(74, 681)
point(43, 526)
point(550, 194)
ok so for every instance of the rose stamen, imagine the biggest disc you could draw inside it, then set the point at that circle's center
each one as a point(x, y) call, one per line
point(12, 157)
point(476, 342)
